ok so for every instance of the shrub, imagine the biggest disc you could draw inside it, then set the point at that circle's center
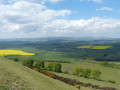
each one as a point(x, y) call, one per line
point(36, 69)
point(111, 81)
point(96, 74)
point(86, 73)
point(105, 63)
point(78, 71)
point(28, 63)
point(39, 64)
point(15, 59)
point(78, 86)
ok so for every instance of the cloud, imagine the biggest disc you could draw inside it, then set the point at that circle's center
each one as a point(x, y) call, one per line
point(105, 8)
point(25, 19)
point(97, 1)
point(35, 1)
point(51, 1)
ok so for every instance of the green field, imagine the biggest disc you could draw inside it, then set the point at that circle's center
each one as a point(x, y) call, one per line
point(108, 73)
point(56, 49)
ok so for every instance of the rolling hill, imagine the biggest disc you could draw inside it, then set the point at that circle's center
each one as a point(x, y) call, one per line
point(15, 76)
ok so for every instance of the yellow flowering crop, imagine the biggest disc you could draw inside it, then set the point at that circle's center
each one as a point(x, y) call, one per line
point(14, 52)
point(95, 47)
point(84, 46)
point(101, 47)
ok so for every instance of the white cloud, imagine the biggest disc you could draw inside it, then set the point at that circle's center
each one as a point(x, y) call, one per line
point(25, 19)
point(40, 1)
point(51, 1)
point(97, 1)
point(105, 8)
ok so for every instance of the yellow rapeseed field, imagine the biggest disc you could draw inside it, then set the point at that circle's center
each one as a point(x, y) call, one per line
point(101, 47)
point(14, 52)
point(85, 47)
point(94, 47)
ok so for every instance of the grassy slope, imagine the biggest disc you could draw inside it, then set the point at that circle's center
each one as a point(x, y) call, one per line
point(14, 75)
point(92, 81)
point(108, 73)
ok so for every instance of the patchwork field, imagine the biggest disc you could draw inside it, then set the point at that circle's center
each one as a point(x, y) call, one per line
point(14, 52)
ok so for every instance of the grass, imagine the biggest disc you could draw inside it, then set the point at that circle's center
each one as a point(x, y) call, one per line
point(108, 73)
point(92, 81)
point(15, 75)
point(14, 52)
point(95, 47)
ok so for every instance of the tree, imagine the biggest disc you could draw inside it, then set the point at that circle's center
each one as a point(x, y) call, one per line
point(96, 74)
point(56, 67)
point(49, 66)
point(28, 63)
point(79, 71)
point(15, 59)
point(86, 73)
point(39, 64)
point(105, 63)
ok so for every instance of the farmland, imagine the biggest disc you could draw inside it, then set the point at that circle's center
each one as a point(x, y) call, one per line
point(13, 52)
point(104, 50)
point(95, 47)
point(88, 55)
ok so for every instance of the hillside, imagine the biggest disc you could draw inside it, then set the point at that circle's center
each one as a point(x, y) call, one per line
point(15, 76)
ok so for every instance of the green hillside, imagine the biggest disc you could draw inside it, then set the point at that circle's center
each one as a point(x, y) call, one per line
point(15, 76)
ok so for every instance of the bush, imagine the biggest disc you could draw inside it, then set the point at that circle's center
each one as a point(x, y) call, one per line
point(39, 64)
point(105, 63)
point(111, 81)
point(56, 67)
point(28, 63)
point(86, 73)
point(78, 86)
point(78, 71)
point(96, 74)
point(15, 59)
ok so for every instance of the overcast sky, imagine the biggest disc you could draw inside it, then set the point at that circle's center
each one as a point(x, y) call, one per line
point(69, 18)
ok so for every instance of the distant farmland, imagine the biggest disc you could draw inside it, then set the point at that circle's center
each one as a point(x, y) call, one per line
point(14, 52)
point(95, 47)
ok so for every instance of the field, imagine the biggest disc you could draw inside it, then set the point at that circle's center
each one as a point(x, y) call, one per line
point(59, 50)
point(55, 49)
point(95, 47)
point(108, 73)
point(14, 52)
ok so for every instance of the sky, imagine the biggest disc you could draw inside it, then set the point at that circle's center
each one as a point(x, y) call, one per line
point(59, 18)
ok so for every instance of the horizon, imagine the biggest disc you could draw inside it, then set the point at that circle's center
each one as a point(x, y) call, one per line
point(59, 18)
